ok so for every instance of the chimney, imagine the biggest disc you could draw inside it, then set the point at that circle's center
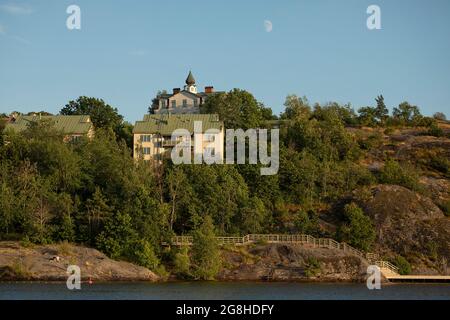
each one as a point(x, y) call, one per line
point(176, 90)
point(209, 89)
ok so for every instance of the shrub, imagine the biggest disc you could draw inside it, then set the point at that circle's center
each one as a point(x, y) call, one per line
point(404, 267)
point(435, 131)
point(445, 207)
point(402, 175)
point(312, 267)
point(182, 263)
point(144, 255)
point(439, 163)
point(358, 231)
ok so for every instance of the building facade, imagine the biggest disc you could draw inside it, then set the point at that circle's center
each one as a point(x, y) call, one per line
point(152, 137)
point(186, 101)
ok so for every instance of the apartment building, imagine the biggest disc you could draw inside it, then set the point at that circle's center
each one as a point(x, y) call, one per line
point(153, 135)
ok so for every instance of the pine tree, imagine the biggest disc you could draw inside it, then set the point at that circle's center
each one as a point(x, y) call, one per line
point(381, 112)
point(205, 251)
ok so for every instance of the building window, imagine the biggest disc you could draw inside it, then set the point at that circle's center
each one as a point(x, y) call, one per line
point(146, 138)
point(163, 104)
point(195, 102)
point(174, 103)
point(184, 103)
point(158, 144)
point(209, 137)
point(146, 150)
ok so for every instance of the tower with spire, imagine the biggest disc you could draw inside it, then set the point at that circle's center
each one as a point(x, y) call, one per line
point(190, 83)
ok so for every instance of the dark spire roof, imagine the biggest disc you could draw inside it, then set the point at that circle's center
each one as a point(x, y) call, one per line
point(190, 79)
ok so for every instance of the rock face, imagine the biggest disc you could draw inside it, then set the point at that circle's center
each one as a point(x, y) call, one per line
point(41, 263)
point(280, 262)
point(411, 225)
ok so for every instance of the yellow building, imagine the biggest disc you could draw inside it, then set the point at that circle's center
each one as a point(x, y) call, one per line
point(154, 135)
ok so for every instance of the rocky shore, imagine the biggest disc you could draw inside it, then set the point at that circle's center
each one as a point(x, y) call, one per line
point(50, 262)
point(263, 262)
point(281, 262)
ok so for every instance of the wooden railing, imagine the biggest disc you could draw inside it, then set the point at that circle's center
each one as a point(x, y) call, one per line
point(303, 239)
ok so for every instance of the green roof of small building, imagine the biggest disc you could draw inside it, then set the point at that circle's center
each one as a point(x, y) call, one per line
point(165, 124)
point(67, 124)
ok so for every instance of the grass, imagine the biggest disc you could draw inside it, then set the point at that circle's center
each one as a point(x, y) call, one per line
point(65, 248)
point(20, 270)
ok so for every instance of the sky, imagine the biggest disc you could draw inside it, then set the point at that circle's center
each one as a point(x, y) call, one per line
point(127, 50)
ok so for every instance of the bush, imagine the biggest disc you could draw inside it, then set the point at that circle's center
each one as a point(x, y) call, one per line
point(404, 267)
point(402, 175)
point(358, 231)
point(435, 131)
point(445, 207)
point(182, 263)
point(144, 255)
point(440, 163)
point(312, 267)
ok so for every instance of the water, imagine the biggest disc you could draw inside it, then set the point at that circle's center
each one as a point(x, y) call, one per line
point(223, 290)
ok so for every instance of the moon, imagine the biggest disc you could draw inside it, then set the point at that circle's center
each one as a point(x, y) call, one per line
point(268, 25)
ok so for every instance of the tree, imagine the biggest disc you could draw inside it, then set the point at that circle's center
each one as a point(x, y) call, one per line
point(118, 235)
point(102, 114)
point(176, 180)
point(440, 116)
point(236, 108)
point(98, 211)
point(182, 263)
point(296, 107)
point(205, 251)
point(407, 114)
point(155, 101)
point(381, 112)
point(368, 116)
point(358, 231)
point(144, 254)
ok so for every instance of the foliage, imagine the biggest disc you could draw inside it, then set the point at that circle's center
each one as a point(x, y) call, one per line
point(404, 267)
point(237, 108)
point(440, 116)
point(358, 231)
point(312, 267)
point(93, 192)
point(206, 258)
point(402, 175)
point(182, 263)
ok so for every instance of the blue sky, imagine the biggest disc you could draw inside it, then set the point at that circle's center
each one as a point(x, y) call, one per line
point(127, 50)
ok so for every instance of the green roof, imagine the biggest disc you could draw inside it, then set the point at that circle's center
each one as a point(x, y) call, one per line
point(165, 124)
point(66, 124)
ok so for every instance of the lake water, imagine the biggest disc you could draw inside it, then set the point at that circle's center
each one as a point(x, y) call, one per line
point(222, 290)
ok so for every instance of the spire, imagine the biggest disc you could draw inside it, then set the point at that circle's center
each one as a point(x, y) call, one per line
point(190, 79)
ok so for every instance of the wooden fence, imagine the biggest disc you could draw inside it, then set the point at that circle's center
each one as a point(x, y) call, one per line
point(302, 239)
